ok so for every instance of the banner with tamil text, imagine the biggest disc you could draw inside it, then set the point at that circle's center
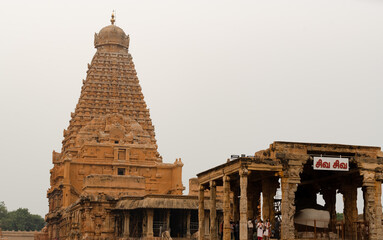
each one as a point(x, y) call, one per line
point(334, 164)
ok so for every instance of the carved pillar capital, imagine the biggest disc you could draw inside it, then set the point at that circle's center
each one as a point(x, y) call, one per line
point(243, 171)
point(212, 184)
point(292, 173)
point(226, 178)
point(369, 177)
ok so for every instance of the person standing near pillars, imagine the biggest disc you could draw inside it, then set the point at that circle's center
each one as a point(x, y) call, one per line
point(221, 230)
point(267, 232)
point(236, 230)
point(250, 228)
point(260, 230)
point(232, 230)
point(256, 221)
point(255, 234)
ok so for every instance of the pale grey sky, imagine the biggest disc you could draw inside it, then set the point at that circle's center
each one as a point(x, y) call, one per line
point(219, 77)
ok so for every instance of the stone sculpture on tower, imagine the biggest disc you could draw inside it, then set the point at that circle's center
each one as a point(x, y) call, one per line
point(109, 149)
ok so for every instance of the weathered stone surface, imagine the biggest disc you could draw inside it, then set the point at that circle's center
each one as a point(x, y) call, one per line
point(109, 150)
point(18, 235)
point(114, 185)
point(291, 164)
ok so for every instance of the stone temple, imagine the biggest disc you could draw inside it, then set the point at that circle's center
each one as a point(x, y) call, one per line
point(109, 181)
point(300, 172)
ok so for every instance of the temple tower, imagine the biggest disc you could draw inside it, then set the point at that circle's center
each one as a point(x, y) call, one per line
point(111, 87)
point(109, 147)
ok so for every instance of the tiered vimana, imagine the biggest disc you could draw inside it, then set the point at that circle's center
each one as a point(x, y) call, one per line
point(109, 149)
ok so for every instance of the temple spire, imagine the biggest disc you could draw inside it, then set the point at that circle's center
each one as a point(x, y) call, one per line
point(112, 20)
point(111, 87)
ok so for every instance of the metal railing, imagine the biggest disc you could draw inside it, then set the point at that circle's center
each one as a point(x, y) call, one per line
point(318, 230)
point(362, 230)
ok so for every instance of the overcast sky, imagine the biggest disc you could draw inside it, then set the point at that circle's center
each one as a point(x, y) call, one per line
point(219, 77)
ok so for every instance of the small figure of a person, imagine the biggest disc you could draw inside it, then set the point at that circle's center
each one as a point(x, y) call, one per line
point(250, 228)
point(221, 230)
point(267, 230)
point(236, 230)
point(232, 230)
point(260, 230)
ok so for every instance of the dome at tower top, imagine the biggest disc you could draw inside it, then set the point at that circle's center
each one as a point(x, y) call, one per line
point(111, 35)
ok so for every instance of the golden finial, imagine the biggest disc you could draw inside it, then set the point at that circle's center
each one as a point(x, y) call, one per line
point(112, 20)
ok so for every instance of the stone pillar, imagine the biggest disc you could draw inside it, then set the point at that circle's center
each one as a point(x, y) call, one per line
point(329, 196)
point(350, 210)
point(188, 216)
point(115, 226)
point(257, 200)
point(250, 200)
point(201, 213)
point(207, 226)
point(144, 223)
point(226, 208)
point(213, 212)
point(50, 231)
point(378, 204)
point(269, 189)
point(372, 204)
point(149, 225)
point(126, 224)
point(370, 211)
point(108, 222)
point(288, 209)
point(243, 205)
point(88, 220)
point(235, 210)
point(289, 182)
point(66, 193)
point(54, 233)
point(167, 220)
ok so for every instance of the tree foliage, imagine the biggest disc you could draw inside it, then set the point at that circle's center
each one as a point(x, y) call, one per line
point(19, 220)
point(3, 210)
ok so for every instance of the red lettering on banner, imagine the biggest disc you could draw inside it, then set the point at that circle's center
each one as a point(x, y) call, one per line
point(336, 164)
point(343, 165)
point(326, 165)
point(319, 163)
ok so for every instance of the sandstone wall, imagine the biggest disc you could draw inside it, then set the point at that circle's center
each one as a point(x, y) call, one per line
point(19, 235)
